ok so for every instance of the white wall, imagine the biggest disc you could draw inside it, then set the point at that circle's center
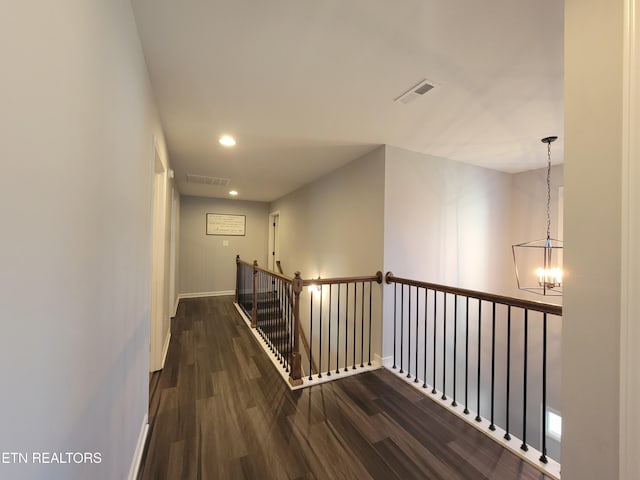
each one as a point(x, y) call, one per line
point(334, 226)
point(76, 139)
point(206, 264)
point(454, 224)
point(439, 214)
point(596, 162)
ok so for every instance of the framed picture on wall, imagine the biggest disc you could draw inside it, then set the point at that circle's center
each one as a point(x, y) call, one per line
point(229, 225)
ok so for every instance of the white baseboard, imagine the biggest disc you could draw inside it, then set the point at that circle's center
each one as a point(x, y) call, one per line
point(531, 456)
point(222, 293)
point(165, 349)
point(175, 306)
point(137, 454)
point(386, 362)
point(306, 382)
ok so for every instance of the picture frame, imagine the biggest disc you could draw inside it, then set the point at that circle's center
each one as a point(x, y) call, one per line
point(226, 225)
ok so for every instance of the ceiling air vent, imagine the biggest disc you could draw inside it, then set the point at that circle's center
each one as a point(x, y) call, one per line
point(215, 181)
point(415, 92)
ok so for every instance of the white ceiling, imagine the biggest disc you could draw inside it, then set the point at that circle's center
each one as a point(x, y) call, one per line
point(308, 85)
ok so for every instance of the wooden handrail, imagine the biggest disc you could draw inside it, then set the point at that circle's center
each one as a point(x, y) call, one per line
point(337, 280)
point(550, 308)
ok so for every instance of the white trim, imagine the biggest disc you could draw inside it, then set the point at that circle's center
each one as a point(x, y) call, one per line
point(165, 349)
point(175, 306)
point(629, 461)
point(223, 293)
point(531, 456)
point(273, 240)
point(137, 454)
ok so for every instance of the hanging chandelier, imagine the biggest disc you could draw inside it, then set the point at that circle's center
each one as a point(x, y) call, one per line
point(538, 264)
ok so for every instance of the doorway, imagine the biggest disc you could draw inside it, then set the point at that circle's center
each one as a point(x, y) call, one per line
point(158, 332)
point(274, 241)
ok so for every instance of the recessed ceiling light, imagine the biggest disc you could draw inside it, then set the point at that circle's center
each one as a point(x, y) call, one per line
point(233, 193)
point(227, 141)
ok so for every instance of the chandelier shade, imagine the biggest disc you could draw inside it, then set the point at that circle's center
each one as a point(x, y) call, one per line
point(538, 266)
point(538, 263)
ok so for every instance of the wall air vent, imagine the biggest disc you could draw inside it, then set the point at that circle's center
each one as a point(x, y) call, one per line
point(203, 180)
point(415, 92)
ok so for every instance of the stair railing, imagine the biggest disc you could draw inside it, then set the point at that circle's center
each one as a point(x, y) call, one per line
point(339, 316)
point(340, 322)
point(445, 337)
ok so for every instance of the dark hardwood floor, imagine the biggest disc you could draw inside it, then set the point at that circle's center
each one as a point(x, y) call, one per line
point(219, 410)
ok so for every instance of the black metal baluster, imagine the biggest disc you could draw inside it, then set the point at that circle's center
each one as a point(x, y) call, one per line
point(543, 457)
point(426, 303)
point(478, 417)
point(274, 329)
point(355, 321)
point(492, 427)
point(287, 326)
point(346, 330)
point(290, 317)
point(267, 312)
point(362, 327)
point(329, 336)
point(370, 319)
point(466, 360)
point(260, 315)
point(267, 308)
point(444, 348)
point(311, 336)
point(524, 387)
point(435, 326)
point(395, 327)
point(455, 347)
point(415, 380)
point(320, 337)
point(338, 333)
point(409, 339)
point(278, 315)
point(283, 325)
point(507, 436)
point(272, 311)
point(401, 326)
point(276, 302)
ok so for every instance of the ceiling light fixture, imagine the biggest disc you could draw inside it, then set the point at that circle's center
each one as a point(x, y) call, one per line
point(541, 275)
point(227, 141)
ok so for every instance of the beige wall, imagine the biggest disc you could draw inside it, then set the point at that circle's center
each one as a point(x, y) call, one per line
point(597, 126)
point(207, 265)
point(77, 123)
point(439, 214)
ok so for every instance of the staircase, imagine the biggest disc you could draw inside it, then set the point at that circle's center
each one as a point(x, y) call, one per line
point(271, 323)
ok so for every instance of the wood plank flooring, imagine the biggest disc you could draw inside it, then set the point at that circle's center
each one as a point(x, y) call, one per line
point(219, 410)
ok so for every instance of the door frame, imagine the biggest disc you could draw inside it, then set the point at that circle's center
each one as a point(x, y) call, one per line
point(158, 252)
point(274, 240)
